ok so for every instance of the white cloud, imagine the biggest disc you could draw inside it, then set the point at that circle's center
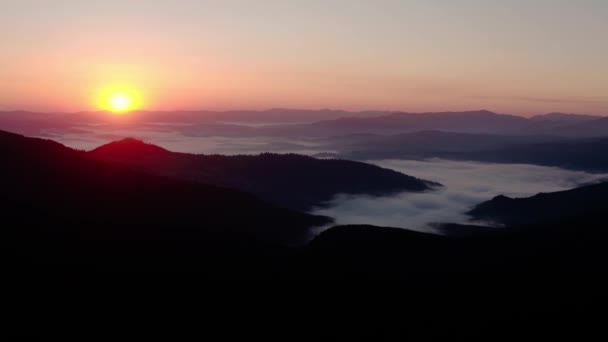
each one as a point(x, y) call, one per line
point(466, 184)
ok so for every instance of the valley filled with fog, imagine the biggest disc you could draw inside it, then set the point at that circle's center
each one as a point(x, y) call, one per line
point(465, 183)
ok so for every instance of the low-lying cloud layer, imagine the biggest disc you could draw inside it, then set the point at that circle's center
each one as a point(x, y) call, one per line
point(466, 184)
point(90, 137)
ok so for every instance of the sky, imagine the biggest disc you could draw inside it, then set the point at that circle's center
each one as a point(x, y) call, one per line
point(521, 57)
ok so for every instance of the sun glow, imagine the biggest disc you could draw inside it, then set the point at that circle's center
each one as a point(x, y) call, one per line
point(119, 99)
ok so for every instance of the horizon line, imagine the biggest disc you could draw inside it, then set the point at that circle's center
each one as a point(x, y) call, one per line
point(346, 111)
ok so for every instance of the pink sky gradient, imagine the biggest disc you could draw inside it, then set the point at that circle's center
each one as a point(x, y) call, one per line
point(521, 57)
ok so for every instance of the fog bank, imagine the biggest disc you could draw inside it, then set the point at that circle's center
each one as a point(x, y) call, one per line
point(466, 184)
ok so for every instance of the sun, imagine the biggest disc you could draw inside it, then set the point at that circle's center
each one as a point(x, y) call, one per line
point(120, 102)
point(119, 99)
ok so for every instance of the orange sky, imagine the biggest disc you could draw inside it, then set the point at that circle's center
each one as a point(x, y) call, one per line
point(524, 57)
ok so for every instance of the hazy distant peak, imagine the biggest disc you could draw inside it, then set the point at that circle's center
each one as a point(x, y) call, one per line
point(564, 117)
point(479, 112)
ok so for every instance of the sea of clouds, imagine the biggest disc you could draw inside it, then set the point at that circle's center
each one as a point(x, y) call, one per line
point(90, 137)
point(465, 185)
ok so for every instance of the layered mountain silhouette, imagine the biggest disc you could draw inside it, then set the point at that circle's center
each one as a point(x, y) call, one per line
point(584, 154)
point(579, 154)
point(481, 122)
point(74, 220)
point(426, 144)
point(473, 121)
point(386, 124)
point(584, 206)
point(69, 207)
point(558, 231)
point(563, 119)
point(50, 186)
point(290, 180)
point(314, 123)
point(591, 128)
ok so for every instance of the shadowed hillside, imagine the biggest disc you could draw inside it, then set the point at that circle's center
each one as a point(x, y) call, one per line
point(65, 208)
point(585, 154)
point(581, 154)
point(290, 180)
point(428, 144)
point(584, 206)
point(69, 219)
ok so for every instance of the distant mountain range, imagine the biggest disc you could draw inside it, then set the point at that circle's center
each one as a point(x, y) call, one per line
point(565, 140)
point(290, 180)
point(318, 123)
point(561, 119)
point(484, 122)
point(425, 144)
point(585, 154)
point(579, 154)
point(479, 122)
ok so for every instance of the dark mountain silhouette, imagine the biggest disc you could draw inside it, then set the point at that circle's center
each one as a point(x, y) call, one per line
point(482, 121)
point(586, 154)
point(290, 180)
point(56, 187)
point(513, 282)
point(579, 154)
point(426, 144)
point(545, 233)
point(69, 220)
point(390, 123)
point(591, 128)
point(584, 206)
point(478, 122)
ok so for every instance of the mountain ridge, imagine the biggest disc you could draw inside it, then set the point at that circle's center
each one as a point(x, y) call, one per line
point(296, 181)
point(72, 189)
point(585, 205)
point(293, 122)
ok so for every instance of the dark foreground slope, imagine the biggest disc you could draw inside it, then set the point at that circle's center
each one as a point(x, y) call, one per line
point(290, 180)
point(60, 206)
point(69, 223)
point(542, 282)
point(377, 253)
